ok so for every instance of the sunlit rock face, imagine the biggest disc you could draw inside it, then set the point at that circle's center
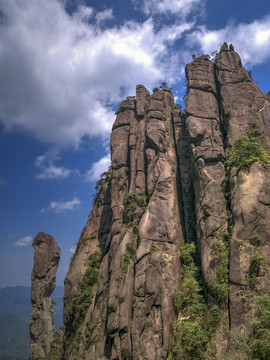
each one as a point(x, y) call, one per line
point(175, 251)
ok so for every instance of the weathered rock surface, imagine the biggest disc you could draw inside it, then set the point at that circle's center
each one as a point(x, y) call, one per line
point(246, 105)
point(171, 183)
point(46, 261)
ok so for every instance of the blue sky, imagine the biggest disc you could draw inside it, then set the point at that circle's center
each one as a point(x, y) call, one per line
point(64, 68)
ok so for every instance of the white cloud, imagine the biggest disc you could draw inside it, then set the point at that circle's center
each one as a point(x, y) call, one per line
point(25, 241)
point(53, 172)
point(49, 170)
point(178, 7)
point(98, 168)
point(61, 75)
point(3, 182)
point(251, 41)
point(104, 15)
point(62, 206)
point(72, 249)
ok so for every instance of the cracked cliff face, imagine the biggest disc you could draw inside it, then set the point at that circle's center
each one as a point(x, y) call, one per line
point(175, 189)
point(247, 105)
point(132, 312)
point(46, 261)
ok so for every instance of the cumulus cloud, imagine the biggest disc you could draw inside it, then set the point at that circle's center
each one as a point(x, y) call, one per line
point(178, 7)
point(98, 168)
point(49, 170)
point(25, 241)
point(61, 75)
point(252, 40)
point(62, 206)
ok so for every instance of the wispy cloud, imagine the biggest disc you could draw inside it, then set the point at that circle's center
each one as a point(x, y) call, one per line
point(49, 170)
point(53, 172)
point(98, 168)
point(178, 7)
point(25, 241)
point(62, 206)
point(251, 40)
point(104, 16)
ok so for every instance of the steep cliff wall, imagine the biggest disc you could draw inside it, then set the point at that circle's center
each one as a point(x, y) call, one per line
point(131, 310)
point(174, 260)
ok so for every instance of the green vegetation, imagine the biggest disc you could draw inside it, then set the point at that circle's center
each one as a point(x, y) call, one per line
point(155, 89)
point(178, 106)
point(260, 344)
point(246, 150)
point(255, 346)
point(154, 248)
point(104, 179)
point(255, 240)
point(117, 176)
point(195, 322)
point(227, 113)
point(131, 201)
point(80, 303)
point(256, 262)
point(163, 85)
point(82, 240)
point(130, 252)
point(219, 287)
point(55, 353)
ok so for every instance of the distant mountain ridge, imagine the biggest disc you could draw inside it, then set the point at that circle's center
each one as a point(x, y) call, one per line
point(15, 307)
point(15, 301)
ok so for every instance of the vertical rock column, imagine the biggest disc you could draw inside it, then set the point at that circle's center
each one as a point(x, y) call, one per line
point(157, 270)
point(245, 105)
point(140, 268)
point(46, 261)
point(203, 126)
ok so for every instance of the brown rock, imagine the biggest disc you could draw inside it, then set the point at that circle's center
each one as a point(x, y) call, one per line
point(46, 261)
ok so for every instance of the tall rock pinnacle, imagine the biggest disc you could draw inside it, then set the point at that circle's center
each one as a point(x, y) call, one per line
point(46, 261)
point(173, 262)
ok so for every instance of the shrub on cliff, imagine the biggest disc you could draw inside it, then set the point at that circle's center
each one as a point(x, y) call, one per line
point(247, 150)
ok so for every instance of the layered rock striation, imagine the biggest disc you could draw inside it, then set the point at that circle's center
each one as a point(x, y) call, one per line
point(174, 260)
point(46, 261)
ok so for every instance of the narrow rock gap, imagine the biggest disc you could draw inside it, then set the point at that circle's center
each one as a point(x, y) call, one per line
point(226, 182)
point(178, 183)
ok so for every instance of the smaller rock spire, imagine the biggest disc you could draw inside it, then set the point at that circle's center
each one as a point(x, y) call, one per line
point(46, 261)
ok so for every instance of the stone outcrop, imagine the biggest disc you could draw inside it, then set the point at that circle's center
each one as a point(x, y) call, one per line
point(132, 310)
point(247, 106)
point(46, 261)
point(175, 252)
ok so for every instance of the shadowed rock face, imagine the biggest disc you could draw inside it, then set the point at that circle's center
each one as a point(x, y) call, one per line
point(171, 182)
point(46, 261)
